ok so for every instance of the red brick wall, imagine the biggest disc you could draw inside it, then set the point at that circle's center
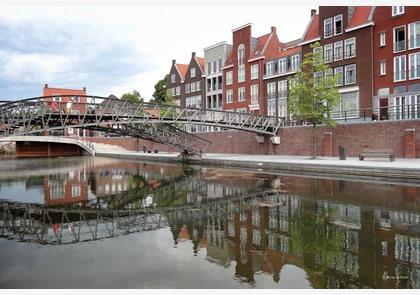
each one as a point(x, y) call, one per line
point(45, 149)
point(298, 140)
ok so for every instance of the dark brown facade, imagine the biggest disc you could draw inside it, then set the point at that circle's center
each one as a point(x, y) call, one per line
point(350, 28)
point(175, 82)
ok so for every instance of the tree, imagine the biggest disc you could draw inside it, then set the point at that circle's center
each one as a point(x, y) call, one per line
point(314, 94)
point(160, 94)
point(133, 96)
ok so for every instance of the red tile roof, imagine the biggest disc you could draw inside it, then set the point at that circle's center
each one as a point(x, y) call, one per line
point(201, 61)
point(360, 16)
point(182, 70)
point(312, 30)
point(260, 46)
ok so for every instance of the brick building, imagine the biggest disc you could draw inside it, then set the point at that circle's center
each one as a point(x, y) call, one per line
point(345, 34)
point(175, 82)
point(278, 69)
point(243, 71)
point(67, 101)
point(396, 70)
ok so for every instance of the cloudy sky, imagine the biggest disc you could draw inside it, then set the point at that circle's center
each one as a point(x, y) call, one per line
point(117, 49)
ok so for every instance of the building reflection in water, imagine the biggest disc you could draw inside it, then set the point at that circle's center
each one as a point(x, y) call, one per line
point(343, 234)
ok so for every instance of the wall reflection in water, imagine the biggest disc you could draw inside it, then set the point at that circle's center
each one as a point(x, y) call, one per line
point(342, 234)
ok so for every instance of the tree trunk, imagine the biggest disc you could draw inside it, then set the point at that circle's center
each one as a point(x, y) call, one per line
point(313, 142)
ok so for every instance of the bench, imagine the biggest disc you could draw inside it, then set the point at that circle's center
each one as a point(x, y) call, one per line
point(377, 153)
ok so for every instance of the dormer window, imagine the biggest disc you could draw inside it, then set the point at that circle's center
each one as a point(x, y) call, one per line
point(192, 72)
point(338, 24)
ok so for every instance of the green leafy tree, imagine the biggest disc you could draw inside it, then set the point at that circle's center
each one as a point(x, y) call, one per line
point(133, 96)
point(314, 94)
point(160, 94)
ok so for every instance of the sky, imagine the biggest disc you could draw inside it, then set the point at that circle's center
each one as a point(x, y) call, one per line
point(116, 49)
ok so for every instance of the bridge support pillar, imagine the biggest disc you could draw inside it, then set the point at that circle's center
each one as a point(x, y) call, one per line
point(275, 139)
point(187, 157)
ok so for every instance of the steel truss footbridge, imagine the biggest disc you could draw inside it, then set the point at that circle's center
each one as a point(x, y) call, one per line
point(156, 122)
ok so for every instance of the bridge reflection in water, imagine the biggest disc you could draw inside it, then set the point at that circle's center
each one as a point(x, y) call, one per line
point(342, 233)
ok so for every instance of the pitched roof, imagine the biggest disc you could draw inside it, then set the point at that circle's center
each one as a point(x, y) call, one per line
point(361, 16)
point(287, 52)
point(201, 61)
point(182, 69)
point(312, 30)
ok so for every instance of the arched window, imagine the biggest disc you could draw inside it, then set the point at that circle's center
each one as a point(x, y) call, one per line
point(241, 54)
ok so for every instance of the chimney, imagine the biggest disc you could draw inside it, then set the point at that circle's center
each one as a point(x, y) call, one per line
point(173, 62)
point(84, 89)
point(273, 30)
point(313, 12)
point(46, 86)
point(193, 54)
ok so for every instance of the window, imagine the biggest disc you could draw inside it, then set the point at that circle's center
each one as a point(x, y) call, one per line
point(241, 74)
point(187, 88)
point(350, 47)
point(282, 107)
point(338, 50)
point(229, 96)
point(254, 94)
point(348, 105)
point(220, 64)
point(397, 10)
point(241, 94)
point(382, 39)
point(271, 90)
point(338, 24)
point(328, 29)
point(414, 65)
point(382, 68)
point(193, 101)
point(328, 53)
point(271, 108)
point(399, 39)
point(178, 90)
point(350, 74)
point(399, 68)
point(282, 65)
point(173, 78)
point(414, 35)
point(282, 87)
point(338, 72)
point(229, 78)
point(269, 68)
point(317, 52)
point(295, 62)
point(241, 54)
point(192, 72)
point(209, 68)
point(215, 67)
point(317, 77)
point(254, 72)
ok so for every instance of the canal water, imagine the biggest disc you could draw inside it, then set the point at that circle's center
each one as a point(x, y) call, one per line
point(108, 223)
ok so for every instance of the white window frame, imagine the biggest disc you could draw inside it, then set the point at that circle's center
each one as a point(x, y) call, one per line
point(346, 42)
point(382, 68)
point(282, 65)
point(328, 48)
point(241, 54)
point(326, 21)
point(405, 39)
point(401, 77)
point(416, 66)
point(254, 94)
point(416, 39)
point(345, 74)
point(317, 75)
point(229, 78)
point(192, 72)
point(282, 85)
point(271, 90)
point(382, 39)
point(173, 78)
point(397, 10)
point(342, 50)
point(295, 62)
point(336, 18)
point(241, 74)
point(270, 65)
point(229, 96)
point(254, 71)
point(241, 94)
point(340, 82)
